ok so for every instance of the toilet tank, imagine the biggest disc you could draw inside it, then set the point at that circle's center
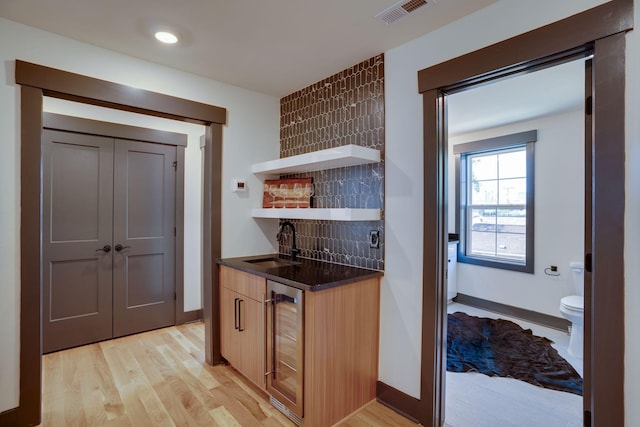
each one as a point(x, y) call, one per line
point(577, 272)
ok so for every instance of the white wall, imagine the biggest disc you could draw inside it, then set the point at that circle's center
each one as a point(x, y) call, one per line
point(559, 217)
point(402, 284)
point(251, 135)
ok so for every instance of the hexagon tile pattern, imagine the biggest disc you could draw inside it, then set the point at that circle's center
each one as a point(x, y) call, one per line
point(346, 108)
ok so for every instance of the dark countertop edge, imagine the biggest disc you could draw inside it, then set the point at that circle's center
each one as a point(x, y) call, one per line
point(240, 264)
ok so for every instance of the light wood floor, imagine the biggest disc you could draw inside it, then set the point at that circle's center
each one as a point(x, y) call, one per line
point(160, 378)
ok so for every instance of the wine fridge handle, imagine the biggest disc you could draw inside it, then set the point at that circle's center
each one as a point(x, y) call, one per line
point(265, 337)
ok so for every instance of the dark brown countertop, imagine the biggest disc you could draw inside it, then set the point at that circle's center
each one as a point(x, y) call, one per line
point(306, 274)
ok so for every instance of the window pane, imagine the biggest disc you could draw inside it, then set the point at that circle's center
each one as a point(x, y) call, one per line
point(482, 243)
point(512, 246)
point(512, 221)
point(483, 220)
point(484, 167)
point(484, 192)
point(496, 207)
point(513, 191)
point(513, 164)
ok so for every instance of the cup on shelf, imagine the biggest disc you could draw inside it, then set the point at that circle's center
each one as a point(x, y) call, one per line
point(298, 192)
point(284, 193)
point(308, 191)
point(273, 192)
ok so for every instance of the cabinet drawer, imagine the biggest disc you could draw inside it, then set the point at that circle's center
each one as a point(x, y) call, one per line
point(246, 284)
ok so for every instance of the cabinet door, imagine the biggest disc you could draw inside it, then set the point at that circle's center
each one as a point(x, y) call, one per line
point(228, 322)
point(242, 322)
point(251, 333)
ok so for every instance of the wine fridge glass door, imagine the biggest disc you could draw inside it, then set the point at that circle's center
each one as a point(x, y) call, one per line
point(286, 346)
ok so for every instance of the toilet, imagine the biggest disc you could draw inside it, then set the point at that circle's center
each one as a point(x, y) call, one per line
point(572, 309)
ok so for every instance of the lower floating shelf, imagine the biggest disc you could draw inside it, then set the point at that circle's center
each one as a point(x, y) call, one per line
point(339, 214)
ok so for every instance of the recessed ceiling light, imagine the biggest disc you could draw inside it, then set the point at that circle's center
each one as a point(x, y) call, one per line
point(166, 37)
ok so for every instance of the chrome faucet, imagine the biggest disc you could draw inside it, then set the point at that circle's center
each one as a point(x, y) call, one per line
point(294, 250)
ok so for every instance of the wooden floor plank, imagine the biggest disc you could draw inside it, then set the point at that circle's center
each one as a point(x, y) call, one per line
point(160, 378)
point(74, 412)
point(223, 417)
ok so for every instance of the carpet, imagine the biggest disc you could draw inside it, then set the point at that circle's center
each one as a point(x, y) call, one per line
point(498, 347)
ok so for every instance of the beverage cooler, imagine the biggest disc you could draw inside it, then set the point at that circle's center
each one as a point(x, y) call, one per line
point(285, 349)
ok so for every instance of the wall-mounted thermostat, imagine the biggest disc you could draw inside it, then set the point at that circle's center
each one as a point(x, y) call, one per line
point(238, 184)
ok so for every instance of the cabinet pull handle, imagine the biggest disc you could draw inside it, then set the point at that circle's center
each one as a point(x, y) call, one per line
point(235, 313)
point(240, 328)
point(274, 300)
point(264, 339)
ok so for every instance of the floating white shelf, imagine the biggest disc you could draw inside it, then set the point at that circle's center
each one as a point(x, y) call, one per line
point(339, 214)
point(331, 158)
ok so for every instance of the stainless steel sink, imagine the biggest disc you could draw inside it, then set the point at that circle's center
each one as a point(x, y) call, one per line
point(272, 262)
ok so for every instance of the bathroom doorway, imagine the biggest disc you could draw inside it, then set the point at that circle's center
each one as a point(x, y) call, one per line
point(508, 216)
point(603, 401)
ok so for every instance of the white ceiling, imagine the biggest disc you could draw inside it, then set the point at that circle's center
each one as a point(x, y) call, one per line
point(270, 46)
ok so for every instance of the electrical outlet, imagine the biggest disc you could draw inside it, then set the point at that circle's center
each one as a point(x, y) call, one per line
point(374, 239)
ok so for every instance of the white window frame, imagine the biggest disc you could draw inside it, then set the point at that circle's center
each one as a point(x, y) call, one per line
point(463, 211)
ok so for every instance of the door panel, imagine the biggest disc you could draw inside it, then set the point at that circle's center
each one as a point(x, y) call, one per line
point(77, 222)
point(144, 221)
point(144, 272)
point(79, 278)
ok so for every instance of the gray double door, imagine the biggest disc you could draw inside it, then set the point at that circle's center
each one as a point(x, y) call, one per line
point(108, 238)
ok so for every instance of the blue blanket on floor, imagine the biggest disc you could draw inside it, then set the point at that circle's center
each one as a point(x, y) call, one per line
point(498, 347)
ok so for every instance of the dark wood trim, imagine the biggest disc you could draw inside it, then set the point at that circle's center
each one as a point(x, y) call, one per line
point(10, 417)
point(208, 258)
point(95, 92)
point(115, 130)
point(588, 237)
point(212, 230)
point(435, 257)
point(191, 316)
point(517, 53)
point(211, 294)
point(608, 203)
point(400, 402)
point(76, 87)
point(179, 243)
point(30, 271)
point(547, 320)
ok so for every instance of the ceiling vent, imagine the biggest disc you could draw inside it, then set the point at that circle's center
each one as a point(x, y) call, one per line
point(399, 10)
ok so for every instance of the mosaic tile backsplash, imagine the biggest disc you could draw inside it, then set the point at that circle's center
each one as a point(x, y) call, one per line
point(346, 108)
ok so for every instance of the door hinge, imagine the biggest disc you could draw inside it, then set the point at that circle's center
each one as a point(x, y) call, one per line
point(175, 296)
point(587, 418)
point(588, 105)
point(588, 261)
point(175, 164)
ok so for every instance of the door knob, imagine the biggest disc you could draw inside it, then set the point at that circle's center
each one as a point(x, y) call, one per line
point(105, 249)
point(119, 247)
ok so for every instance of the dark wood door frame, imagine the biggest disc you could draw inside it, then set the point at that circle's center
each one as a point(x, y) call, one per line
point(36, 82)
point(602, 29)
